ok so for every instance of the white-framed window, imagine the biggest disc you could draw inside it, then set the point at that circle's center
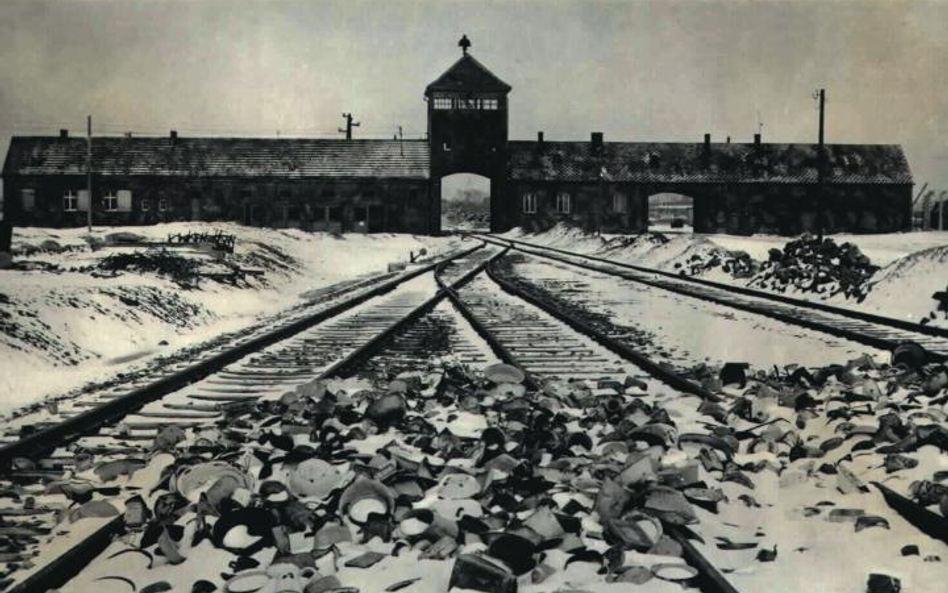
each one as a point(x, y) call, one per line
point(146, 205)
point(443, 102)
point(110, 201)
point(529, 203)
point(162, 204)
point(27, 199)
point(619, 203)
point(562, 203)
point(70, 200)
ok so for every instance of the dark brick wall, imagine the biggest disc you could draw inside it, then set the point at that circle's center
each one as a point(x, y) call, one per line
point(414, 206)
point(389, 205)
point(722, 208)
point(470, 141)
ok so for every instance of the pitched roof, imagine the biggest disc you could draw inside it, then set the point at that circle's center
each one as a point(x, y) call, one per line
point(468, 75)
point(220, 157)
point(685, 162)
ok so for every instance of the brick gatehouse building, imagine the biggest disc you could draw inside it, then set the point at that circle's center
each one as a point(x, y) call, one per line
point(395, 186)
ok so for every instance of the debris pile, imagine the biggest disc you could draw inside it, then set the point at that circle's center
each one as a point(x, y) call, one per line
point(441, 479)
point(737, 264)
point(820, 266)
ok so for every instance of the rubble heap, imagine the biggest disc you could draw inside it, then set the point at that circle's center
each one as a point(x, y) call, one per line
point(814, 265)
point(443, 479)
point(737, 264)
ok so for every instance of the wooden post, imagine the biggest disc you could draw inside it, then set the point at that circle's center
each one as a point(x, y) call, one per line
point(89, 172)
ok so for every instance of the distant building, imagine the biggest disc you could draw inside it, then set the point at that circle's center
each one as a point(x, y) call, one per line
point(391, 185)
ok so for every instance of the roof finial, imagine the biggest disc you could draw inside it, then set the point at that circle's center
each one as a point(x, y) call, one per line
point(464, 43)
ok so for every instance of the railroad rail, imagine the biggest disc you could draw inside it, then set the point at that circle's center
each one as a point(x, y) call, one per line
point(260, 367)
point(873, 330)
point(390, 328)
point(375, 334)
point(547, 343)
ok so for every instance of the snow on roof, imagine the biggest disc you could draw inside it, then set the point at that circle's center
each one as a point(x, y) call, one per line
point(220, 157)
point(466, 75)
point(680, 162)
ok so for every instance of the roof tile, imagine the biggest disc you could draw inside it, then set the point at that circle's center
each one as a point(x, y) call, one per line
point(221, 157)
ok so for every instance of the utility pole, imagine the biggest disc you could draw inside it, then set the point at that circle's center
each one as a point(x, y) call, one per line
point(89, 172)
point(401, 147)
point(349, 125)
point(821, 154)
point(822, 111)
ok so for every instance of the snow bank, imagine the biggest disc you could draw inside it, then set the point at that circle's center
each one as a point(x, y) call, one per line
point(60, 309)
point(915, 265)
point(905, 287)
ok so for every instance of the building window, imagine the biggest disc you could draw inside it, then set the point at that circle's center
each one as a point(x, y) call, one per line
point(146, 205)
point(489, 104)
point(27, 199)
point(110, 201)
point(529, 203)
point(162, 204)
point(124, 200)
point(442, 102)
point(562, 203)
point(619, 204)
point(70, 200)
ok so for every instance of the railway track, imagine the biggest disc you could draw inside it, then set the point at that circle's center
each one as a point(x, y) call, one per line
point(124, 427)
point(381, 335)
point(872, 330)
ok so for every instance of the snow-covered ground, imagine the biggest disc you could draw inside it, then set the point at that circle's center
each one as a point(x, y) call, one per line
point(64, 320)
point(913, 266)
point(685, 332)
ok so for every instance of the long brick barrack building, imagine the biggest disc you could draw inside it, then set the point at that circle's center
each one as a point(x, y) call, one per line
point(394, 185)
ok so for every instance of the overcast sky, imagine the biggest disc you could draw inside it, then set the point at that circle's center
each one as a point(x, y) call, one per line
point(635, 70)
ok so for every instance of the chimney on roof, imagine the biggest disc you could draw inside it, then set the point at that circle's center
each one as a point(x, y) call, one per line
point(728, 139)
point(757, 139)
point(595, 141)
point(707, 144)
point(63, 133)
point(539, 137)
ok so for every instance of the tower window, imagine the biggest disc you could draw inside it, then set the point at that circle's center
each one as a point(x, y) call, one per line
point(562, 203)
point(467, 103)
point(529, 203)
